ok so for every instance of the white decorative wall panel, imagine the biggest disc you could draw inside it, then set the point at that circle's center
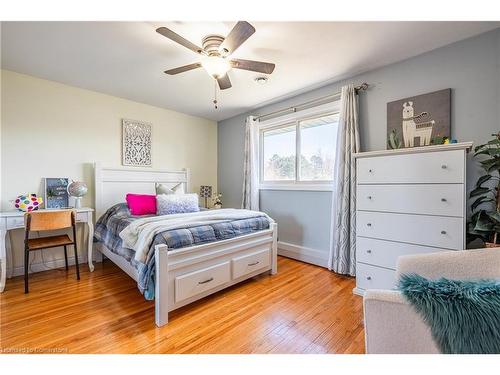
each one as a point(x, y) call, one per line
point(136, 143)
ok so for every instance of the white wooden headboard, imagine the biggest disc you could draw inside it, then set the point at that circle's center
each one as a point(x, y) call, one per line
point(113, 183)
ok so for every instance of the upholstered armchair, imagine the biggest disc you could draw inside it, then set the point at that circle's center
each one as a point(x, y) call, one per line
point(391, 324)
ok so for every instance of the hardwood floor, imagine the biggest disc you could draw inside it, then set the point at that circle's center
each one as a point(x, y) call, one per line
point(302, 309)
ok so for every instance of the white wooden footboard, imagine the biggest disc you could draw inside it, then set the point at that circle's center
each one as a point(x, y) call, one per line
point(188, 274)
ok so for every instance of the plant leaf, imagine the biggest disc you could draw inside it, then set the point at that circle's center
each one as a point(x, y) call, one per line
point(490, 165)
point(495, 141)
point(480, 201)
point(495, 216)
point(488, 151)
point(483, 179)
point(483, 222)
point(495, 166)
point(478, 191)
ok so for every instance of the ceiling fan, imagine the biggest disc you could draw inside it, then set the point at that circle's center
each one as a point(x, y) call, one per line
point(216, 51)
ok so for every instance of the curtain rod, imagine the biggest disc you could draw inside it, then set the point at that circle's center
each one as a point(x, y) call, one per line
point(324, 99)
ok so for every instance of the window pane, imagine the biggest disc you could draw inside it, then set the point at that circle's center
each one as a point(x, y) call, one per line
point(318, 140)
point(279, 154)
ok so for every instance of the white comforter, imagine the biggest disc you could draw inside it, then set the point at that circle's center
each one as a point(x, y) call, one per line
point(140, 233)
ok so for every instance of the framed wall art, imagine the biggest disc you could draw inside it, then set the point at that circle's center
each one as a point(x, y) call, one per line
point(420, 120)
point(136, 147)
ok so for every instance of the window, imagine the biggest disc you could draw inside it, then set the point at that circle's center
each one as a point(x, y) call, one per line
point(299, 152)
point(280, 154)
point(318, 139)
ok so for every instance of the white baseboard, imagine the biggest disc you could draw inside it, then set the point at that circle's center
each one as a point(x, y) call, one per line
point(358, 291)
point(305, 254)
point(51, 264)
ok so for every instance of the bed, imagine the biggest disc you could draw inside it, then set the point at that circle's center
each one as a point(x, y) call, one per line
point(181, 272)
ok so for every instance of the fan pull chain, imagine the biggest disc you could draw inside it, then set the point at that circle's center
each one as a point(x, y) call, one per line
point(215, 94)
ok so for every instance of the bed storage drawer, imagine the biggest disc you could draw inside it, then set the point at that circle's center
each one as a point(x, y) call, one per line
point(246, 264)
point(193, 283)
point(373, 277)
point(432, 167)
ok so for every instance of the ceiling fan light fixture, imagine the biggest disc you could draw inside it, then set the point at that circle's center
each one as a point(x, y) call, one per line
point(216, 66)
point(261, 80)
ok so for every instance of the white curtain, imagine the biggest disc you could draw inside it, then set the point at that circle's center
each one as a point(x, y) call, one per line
point(251, 166)
point(342, 257)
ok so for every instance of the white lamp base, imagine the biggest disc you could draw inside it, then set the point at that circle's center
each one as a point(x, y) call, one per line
point(78, 202)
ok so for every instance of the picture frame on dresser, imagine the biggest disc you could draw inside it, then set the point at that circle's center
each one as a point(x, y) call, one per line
point(408, 201)
point(420, 120)
point(56, 194)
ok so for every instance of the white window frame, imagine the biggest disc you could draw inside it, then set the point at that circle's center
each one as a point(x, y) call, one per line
point(287, 120)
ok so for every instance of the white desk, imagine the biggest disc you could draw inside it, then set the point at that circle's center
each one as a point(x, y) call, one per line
point(15, 219)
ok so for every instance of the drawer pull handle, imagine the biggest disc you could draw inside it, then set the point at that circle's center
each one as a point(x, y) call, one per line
point(444, 166)
point(368, 277)
point(370, 197)
point(369, 224)
point(254, 263)
point(443, 199)
point(369, 251)
point(370, 170)
point(206, 281)
point(443, 232)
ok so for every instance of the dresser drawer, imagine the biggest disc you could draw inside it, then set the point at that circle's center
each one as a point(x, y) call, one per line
point(193, 283)
point(385, 253)
point(373, 277)
point(435, 199)
point(15, 222)
point(445, 232)
point(81, 216)
point(430, 167)
point(249, 263)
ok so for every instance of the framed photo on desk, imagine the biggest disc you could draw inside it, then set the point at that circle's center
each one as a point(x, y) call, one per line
point(56, 193)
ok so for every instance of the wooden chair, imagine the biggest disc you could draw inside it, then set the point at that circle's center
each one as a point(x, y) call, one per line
point(44, 221)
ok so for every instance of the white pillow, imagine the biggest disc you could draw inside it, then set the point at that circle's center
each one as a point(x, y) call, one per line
point(167, 204)
point(164, 189)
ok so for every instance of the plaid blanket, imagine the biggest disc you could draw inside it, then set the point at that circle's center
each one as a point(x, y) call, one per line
point(109, 226)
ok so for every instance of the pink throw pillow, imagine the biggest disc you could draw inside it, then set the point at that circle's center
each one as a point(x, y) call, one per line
point(141, 204)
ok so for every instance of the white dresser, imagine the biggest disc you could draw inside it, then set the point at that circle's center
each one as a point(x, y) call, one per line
point(408, 201)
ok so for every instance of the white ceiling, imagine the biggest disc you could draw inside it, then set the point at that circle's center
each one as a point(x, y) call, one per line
point(127, 59)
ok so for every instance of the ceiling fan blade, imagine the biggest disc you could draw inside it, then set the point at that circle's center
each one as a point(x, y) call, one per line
point(224, 82)
point(179, 39)
point(182, 69)
point(240, 32)
point(254, 66)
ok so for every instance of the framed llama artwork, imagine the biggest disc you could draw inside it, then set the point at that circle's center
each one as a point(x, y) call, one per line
point(420, 120)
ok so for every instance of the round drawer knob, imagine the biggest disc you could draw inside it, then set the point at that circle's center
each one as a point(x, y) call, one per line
point(443, 199)
point(444, 166)
point(368, 277)
point(370, 197)
point(443, 232)
point(369, 251)
point(369, 170)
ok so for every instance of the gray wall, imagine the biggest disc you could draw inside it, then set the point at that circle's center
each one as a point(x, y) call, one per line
point(470, 67)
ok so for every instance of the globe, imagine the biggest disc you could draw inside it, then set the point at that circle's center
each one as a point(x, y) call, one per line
point(77, 189)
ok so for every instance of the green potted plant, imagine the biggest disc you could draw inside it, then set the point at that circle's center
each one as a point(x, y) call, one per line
point(485, 219)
